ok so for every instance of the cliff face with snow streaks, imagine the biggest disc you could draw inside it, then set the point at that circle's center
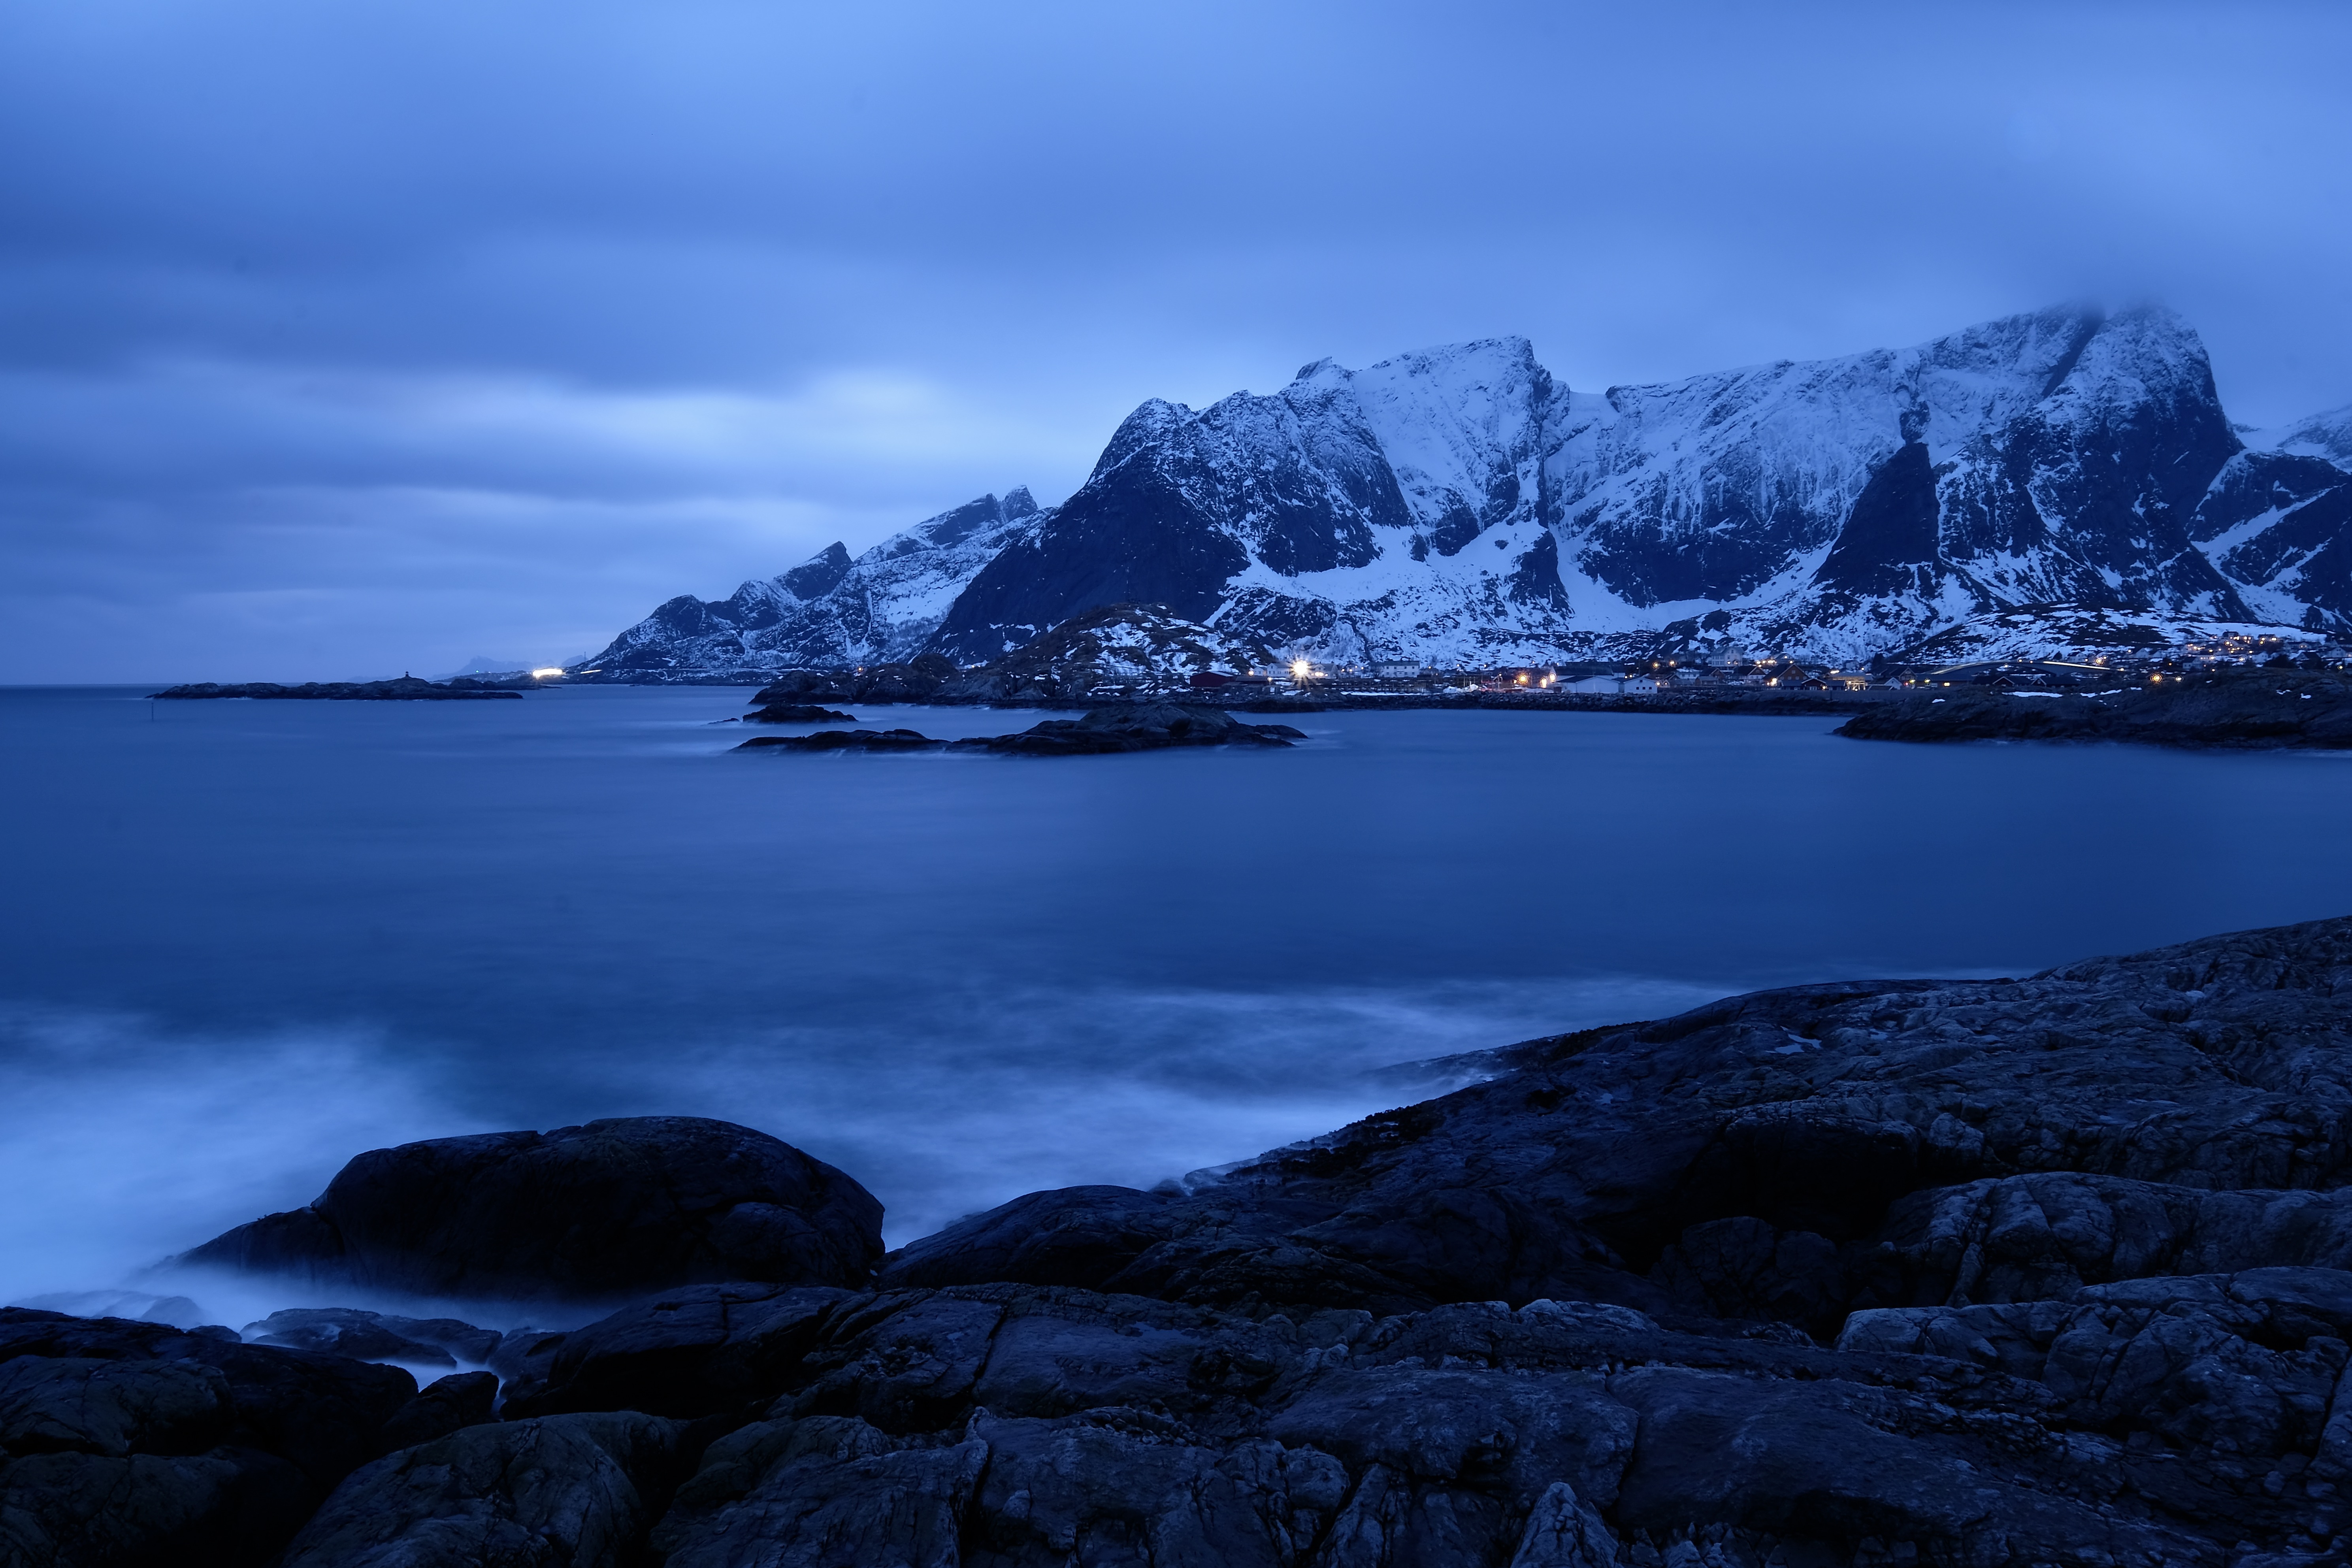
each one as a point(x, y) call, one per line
point(1461, 506)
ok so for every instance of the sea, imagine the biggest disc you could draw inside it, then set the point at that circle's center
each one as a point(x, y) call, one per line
point(246, 940)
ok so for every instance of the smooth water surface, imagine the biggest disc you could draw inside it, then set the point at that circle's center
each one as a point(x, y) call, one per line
point(245, 940)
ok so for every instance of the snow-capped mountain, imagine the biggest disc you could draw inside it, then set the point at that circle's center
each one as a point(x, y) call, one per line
point(1337, 511)
point(1461, 506)
point(831, 609)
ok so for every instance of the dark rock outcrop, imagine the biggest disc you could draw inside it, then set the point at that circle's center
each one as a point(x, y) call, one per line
point(445, 1405)
point(1142, 727)
point(1793, 1155)
point(702, 1351)
point(1139, 727)
point(798, 713)
point(125, 1442)
point(375, 1336)
point(598, 1211)
point(1073, 1235)
point(2260, 708)
point(847, 741)
point(577, 1490)
point(407, 688)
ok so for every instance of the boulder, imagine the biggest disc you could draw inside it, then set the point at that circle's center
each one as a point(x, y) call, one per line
point(597, 1210)
point(445, 1405)
point(579, 1492)
point(797, 714)
point(1072, 1235)
point(125, 1442)
point(700, 1350)
point(376, 1336)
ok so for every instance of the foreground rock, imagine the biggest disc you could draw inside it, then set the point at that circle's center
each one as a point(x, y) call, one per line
point(407, 688)
point(1796, 1155)
point(581, 1490)
point(2266, 708)
point(2051, 1271)
point(598, 1211)
point(1142, 727)
point(132, 1442)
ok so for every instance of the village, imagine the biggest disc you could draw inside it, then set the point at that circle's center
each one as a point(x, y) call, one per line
point(1730, 672)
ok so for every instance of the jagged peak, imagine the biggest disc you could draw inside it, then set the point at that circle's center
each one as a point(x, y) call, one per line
point(2326, 436)
point(1152, 420)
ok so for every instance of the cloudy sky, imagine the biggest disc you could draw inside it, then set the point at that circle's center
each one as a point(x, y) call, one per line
point(339, 338)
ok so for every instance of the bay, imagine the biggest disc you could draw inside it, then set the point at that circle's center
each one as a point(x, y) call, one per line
point(243, 941)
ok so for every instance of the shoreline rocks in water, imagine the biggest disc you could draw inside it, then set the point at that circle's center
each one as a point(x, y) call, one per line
point(797, 714)
point(598, 1211)
point(2052, 1270)
point(1143, 727)
point(2266, 708)
point(407, 688)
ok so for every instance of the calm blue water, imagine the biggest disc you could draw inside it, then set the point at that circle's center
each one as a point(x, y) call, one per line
point(243, 941)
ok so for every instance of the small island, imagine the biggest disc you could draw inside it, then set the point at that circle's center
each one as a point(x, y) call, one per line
point(407, 688)
point(1143, 727)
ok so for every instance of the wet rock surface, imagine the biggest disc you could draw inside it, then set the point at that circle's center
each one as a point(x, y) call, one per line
point(1137, 727)
point(126, 1442)
point(603, 1210)
point(1964, 1273)
point(577, 1490)
point(2264, 708)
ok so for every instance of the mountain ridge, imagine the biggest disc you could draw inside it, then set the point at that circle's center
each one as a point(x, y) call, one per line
point(1462, 505)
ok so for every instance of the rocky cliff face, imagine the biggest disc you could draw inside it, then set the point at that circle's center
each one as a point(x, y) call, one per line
point(1461, 506)
point(831, 610)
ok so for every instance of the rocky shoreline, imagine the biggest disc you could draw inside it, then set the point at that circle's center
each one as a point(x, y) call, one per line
point(2053, 1270)
point(1137, 727)
point(2264, 708)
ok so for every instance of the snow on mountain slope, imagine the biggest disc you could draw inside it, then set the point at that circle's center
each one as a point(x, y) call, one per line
point(2279, 525)
point(1337, 514)
point(830, 610)
point(1846, 506)
point(2325, 436)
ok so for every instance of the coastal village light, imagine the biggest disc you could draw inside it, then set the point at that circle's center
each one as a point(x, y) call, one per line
point(548, 674)
point(1300, 671)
